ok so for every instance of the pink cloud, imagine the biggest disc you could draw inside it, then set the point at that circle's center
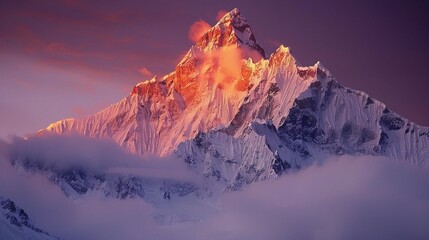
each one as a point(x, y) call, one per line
point(223, 66)
point(220, 14)
point(198, 29)
point(145, 72)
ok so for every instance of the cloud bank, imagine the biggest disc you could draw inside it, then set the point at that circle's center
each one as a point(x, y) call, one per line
point(341, 198)
point(94, 155)
point(348, 198)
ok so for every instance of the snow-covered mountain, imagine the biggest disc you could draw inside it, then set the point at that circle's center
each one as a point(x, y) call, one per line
point(15, 223)
point(161, 113)
point(238, 117)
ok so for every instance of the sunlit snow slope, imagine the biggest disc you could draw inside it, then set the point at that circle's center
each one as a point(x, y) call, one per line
point(239, 117)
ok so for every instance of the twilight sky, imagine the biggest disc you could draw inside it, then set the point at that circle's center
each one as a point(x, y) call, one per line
point(70, 58)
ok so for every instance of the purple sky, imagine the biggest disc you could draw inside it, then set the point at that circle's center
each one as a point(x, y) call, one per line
point(70, 58)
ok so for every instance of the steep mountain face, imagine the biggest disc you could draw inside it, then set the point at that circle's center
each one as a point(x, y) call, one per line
point(197, 96)
point(238, 120)
point(325, 119)
point(15, 223)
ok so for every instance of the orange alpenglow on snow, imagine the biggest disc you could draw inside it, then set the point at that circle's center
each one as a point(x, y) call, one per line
point(198, 29)
point(209, 88)
point(216, 60)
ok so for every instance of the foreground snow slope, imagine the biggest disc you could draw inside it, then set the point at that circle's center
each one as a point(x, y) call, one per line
point(16, 225)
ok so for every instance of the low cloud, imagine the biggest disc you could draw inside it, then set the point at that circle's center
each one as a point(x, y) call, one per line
point(346, 198)
point(198, 29)
point(93, 155)
point(341, 198)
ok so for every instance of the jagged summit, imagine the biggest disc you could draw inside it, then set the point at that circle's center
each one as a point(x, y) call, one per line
point(218, 105)
point(232, 29)
point(145, 87)
point(234, 13)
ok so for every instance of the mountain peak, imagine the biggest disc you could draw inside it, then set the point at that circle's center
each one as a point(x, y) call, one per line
point(238, 121)
point(232, 29)
point(234, 13)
